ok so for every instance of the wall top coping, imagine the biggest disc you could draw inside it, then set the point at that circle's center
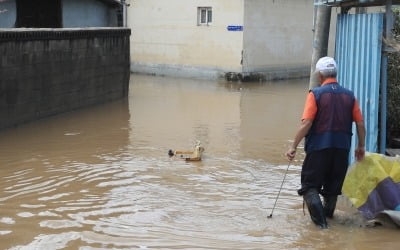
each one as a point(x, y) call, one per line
point(18, 34)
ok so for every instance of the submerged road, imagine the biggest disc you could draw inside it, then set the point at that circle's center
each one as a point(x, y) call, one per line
point(100, 178)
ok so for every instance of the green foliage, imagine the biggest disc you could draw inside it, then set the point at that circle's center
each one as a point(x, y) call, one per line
point(393, 105)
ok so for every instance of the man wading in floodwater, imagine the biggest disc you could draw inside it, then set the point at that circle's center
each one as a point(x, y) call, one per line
point(329, 112)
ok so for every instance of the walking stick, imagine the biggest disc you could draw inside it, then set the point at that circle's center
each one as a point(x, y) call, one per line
point(277, 197)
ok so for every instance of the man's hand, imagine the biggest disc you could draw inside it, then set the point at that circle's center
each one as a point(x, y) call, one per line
point(359, 153)
point(300, 134)
point(291, 153)
point(360, 150)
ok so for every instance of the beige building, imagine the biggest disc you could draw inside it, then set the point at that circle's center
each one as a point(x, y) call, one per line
point(217, 38)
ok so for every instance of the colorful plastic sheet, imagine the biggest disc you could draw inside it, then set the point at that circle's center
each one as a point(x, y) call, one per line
point(373, 186)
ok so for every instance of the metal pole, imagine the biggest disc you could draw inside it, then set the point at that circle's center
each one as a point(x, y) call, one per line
point(124, 16)
point(277, 197)
point(321, 39)
point(382, 140)
point(383, 108)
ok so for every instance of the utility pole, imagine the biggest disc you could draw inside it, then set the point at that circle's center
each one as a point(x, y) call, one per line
point(321, 39)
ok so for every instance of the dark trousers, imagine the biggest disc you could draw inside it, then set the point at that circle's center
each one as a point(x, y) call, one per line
point(325, 171)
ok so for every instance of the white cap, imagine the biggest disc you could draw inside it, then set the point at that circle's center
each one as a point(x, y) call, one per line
point(325, 64)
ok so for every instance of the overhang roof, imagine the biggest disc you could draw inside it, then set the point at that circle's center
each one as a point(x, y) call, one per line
point(356, 3)
point(111, 2)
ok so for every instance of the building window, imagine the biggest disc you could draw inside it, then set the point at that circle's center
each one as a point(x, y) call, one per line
point(204, 15)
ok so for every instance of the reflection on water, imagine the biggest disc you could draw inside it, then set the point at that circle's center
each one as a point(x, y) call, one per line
point(100, 178)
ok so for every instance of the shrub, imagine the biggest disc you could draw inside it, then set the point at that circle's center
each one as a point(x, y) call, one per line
point(393, 88)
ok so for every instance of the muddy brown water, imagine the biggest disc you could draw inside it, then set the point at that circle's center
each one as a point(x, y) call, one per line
point(100, 178)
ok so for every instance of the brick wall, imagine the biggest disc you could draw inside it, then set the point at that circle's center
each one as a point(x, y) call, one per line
point(44, 72)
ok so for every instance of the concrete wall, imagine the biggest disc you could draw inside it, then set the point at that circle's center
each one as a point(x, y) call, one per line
point(50, 71)
point(8, 13)
point(89, 13)
point(167, 40)
point(276, 41)
point(278, 36)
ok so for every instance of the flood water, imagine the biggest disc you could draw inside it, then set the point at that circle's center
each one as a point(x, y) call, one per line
point(100, 178)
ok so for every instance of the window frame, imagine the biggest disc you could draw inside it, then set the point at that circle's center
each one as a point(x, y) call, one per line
point(204, 15)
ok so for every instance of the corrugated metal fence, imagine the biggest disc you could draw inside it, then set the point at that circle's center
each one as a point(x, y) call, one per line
point(358, 54)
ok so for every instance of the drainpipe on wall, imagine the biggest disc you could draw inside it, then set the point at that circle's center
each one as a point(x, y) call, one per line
point(124, 22)
point(321, 39)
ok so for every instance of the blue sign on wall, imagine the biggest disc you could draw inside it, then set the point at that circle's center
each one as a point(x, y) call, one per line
point(235, 28)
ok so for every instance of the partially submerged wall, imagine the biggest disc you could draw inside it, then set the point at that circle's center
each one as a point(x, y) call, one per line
point(278, 38)
point(50, 71)
point(169, 40)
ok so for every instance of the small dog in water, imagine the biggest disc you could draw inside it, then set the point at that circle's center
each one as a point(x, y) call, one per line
point(194, 155)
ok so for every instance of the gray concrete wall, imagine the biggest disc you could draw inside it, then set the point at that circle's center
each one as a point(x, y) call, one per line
point(89, 13)
point(8, 13)
point(278, 38)
point(49, 71)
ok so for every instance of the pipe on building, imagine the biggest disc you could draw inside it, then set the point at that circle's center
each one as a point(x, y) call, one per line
point(124, 13)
